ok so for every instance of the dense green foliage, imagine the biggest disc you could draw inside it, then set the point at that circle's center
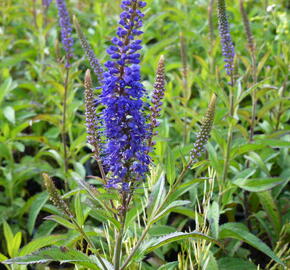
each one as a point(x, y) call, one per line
point(241, 214)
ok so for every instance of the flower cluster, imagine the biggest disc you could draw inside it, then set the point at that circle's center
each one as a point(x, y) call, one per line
point(204, 133)
point(94, 62)
point(249, 34)
point(91, 117)
point(126, 130)
point(55, 196)
point(228, 49)
point(158, 94)
point(46, 3)
point(66, 29)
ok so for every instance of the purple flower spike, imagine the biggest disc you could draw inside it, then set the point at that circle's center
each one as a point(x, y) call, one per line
point(156, 101)
point(125, 127)
point(46, 3)
point(228, 49)
point(66, 30)
point(204, 134)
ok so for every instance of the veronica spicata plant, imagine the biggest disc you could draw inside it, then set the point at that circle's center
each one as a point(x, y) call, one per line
point(121, 136)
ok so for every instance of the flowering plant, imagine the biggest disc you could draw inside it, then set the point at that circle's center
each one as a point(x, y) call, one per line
point(117, 218)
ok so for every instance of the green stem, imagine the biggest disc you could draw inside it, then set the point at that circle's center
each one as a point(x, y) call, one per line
point(139, 242)
point(227, 153)
point(118, 247)
point(230, 132)
point(147, 227)
point(64, 114)
point(90, 243)
point(254, 99)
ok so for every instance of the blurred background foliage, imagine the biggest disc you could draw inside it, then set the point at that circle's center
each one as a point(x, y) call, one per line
point(255, 196)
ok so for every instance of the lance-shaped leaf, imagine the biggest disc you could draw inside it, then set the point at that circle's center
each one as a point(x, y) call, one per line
point(62, 255)
point(154, 243)
point(240, 232)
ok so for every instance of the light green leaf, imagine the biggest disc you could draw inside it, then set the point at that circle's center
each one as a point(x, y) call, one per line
point(213, 219)
point(169, 208)
point(2, 257)
point(78, 209)
point(229, 263)
point(62, 221)
point(41, 242)
point(258, 184)
point(56, 254)
point(9, 114)
point(6, 87)
point(9, 237)
point(157, 195)
point(273, 143)
point(155, 243)
point(16, 244)
point(38, 203)
point(271, 209)
point(240, 232)
point(170, 167)
point(168, 266)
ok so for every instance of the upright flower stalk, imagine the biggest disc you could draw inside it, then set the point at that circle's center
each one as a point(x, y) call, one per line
point(94, 62)
point(125, 128)
point(67, 42)
point(66, 30)
point(46, 3)
point(204, 134)
point(92, 123)
point(156, 101)
point(228, 49)
point(228, 52)
point(252, 49)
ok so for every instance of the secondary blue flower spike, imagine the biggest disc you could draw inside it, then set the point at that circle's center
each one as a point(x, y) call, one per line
point(125, 126)
point(228, 48)
point(46, 3)
point(66, 30)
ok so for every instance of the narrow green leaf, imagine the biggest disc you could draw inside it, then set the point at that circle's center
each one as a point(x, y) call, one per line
point(170, 167)
point(168, 266)
point(56, 254)
point(157, 195)
point(240, 232)
point(39, 201)
point(169, 208)
point(271, 209)
point(8, 234)
point(273, 143)
point(258, 184)
point(155, 243)
point(16, 243)
point(229, 263)
point(104, 216)
point(9, 114)
point(41, 242)
point(3, 258)
point(78, 209)
point(213, 218)
point(62, 221)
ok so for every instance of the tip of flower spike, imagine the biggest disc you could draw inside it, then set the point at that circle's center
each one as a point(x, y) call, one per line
point(88, 79)
point(212, 102)
point(76, 23)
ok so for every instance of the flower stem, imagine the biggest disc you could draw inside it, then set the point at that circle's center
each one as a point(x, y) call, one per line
point(64, 116)
point(230, 132)
point(118, 246)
